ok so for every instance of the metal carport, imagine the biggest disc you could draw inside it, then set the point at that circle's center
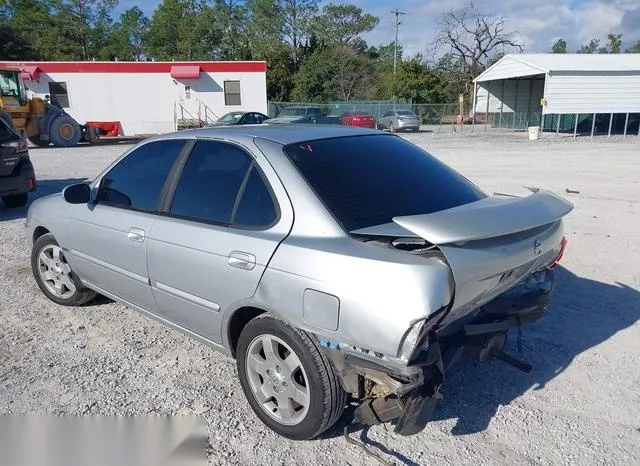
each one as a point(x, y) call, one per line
point(576, 93)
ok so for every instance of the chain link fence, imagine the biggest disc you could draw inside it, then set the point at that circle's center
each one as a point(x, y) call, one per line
point(429, 114)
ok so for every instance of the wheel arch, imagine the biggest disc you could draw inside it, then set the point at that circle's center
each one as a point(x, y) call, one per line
point(38, 232)
point(240, 317)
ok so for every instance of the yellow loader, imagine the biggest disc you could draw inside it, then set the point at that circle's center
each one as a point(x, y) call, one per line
point(41, 121)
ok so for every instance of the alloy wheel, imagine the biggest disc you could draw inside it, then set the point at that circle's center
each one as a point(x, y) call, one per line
point(55, 272)
point(277, 379)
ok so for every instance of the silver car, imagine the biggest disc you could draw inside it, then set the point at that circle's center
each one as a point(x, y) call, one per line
point(399, 120)
point(330, 262)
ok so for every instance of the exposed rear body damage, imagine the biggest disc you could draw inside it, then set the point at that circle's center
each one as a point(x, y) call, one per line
point(501, 251)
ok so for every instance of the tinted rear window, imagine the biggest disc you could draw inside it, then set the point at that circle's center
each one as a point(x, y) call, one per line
point(405, 112)
point(367, 180)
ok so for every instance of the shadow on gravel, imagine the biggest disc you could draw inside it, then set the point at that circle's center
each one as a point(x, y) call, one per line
point(583, 314)
point(44, 188)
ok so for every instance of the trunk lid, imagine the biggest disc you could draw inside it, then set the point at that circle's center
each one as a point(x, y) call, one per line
point(491, 244)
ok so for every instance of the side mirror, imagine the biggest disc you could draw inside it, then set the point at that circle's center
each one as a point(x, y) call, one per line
point(77, 193)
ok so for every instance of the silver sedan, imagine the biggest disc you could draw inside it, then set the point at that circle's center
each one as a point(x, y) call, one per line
point(330, 262)
point(399, 120)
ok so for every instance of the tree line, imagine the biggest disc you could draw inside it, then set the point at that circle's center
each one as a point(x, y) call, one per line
point(613, 44)
point(314, 51)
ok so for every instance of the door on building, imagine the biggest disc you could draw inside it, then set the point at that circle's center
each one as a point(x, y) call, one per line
point(187, 106)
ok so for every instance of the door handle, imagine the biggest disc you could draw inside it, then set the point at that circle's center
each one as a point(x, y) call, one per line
point(242, 260)
point(136, 234)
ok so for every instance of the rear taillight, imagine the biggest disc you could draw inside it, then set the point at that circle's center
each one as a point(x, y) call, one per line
point(19, 146)
point(563, 246)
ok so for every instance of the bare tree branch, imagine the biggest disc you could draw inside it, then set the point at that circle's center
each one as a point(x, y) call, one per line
point(474, 39)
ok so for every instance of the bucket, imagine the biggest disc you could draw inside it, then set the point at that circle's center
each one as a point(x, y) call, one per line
point(534, 133)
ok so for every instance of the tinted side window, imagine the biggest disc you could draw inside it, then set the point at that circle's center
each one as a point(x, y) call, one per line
point(210, 182)
point(137, 180)
point(256, 207)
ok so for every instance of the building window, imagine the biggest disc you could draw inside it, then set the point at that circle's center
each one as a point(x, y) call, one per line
point(232, 93)
point(59, 94)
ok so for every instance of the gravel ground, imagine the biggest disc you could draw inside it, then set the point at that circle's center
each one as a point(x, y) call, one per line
point(580, 405)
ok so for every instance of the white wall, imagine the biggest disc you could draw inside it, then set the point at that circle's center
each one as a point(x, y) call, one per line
point(144, 102)
point(593, 92)
point(521, 96)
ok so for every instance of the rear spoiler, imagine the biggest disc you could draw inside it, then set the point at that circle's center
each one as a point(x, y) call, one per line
point(490, 217)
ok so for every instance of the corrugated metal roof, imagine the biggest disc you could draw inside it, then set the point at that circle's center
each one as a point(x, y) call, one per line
point(566, 62)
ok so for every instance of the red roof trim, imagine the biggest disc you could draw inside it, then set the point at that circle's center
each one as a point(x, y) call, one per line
point(140, 67)
point(185, 72)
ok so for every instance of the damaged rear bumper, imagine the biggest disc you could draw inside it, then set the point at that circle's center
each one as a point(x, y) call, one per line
point(484, 337)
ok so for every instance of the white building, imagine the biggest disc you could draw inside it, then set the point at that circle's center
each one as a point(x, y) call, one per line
point(148, 97)
point(575, 93)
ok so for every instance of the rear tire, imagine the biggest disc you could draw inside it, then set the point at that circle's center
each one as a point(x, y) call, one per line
point(51, 270)
point(15, 200)
point(65, 131)
point(293, 389)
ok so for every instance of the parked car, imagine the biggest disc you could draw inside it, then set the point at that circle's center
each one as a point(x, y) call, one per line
point(329, 261)
point(241, 118)
point(304, 114)
point(17, 176)
point(358, 118)
point(399, 120)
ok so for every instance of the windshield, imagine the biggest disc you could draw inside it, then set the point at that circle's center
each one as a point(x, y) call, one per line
point(10, 85)
point(230, 117)
point(292, 112)
point(365, 181)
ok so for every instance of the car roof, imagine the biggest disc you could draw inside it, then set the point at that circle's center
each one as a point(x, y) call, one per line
point(283, 134)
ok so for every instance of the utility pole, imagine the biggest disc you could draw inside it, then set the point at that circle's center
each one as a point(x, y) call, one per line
point(395, 52)
point(395, 48)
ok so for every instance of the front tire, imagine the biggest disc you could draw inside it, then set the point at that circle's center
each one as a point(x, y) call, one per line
point(287, 379)
point(65, 131)
point(15, 200)
point(54, 276)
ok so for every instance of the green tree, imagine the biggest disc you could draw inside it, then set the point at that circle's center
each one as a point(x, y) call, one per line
point(342, 23)
point(28, 22)
point(280, 76)
point(335, 72)
point(75, 26)
point(281, 21)
point(127, 38)
point(183, 30)
point(634, 49)
point(560, 46)
point(14, 44)
point(614, 43)
point(232, 18)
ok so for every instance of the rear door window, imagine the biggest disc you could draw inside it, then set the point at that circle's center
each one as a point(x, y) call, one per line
point(367, 180)
point(210, 182)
